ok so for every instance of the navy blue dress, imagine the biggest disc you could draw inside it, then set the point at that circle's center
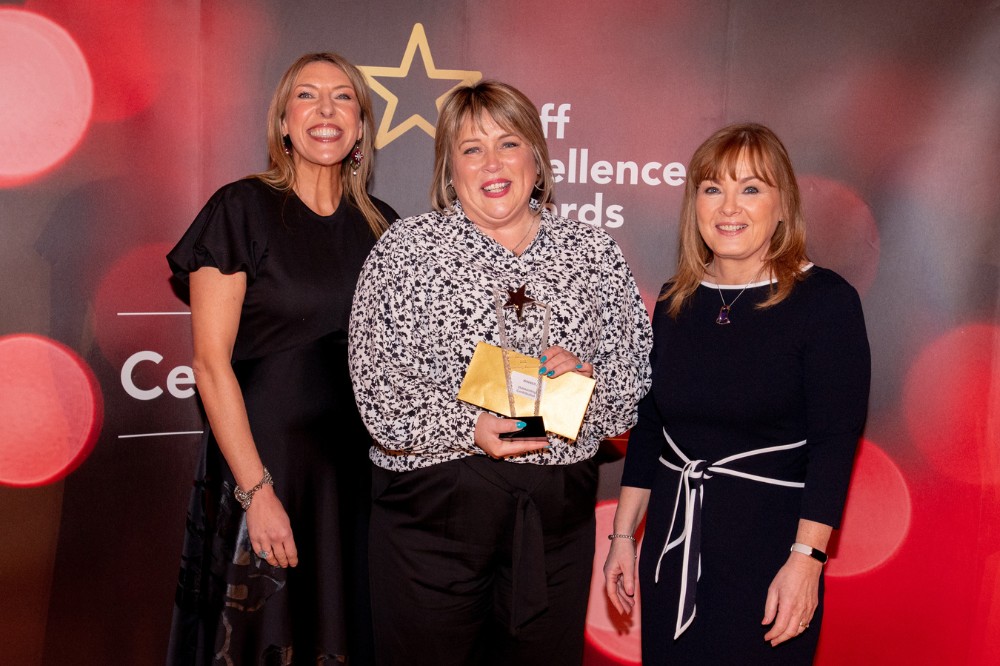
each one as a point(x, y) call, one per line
point(799, 370)
point(290, 358)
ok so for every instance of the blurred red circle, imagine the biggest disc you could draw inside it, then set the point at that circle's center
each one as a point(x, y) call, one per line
point(952, 405)
point(41, 63)
point(139, 282)
point(51, 410)
point(842, 234)
point(877, 515)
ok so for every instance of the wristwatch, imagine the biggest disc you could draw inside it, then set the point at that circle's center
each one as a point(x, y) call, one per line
point(814, 553)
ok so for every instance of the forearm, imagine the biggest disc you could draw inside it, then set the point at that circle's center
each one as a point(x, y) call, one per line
point(811, 533)
point(220, 393)
point(632, 503)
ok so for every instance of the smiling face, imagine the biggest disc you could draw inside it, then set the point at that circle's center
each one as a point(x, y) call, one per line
point(737, 218)
point(322, 116)
point(493, 173)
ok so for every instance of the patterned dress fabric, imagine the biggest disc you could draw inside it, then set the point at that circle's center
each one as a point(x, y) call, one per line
point(426, 297)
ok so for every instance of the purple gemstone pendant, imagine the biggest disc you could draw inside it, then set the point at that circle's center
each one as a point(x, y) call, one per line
point(723, 317)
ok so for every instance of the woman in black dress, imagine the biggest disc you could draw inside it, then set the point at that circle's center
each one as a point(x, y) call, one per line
point(274, 566)
point(743, 450)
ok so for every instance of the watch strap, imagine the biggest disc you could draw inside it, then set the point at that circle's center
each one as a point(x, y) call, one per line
point(814, 553)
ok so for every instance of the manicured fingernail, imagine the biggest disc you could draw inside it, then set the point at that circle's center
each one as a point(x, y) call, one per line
point(579, 366)
point(551, 373)
point(548, 446)
point(542, 359)
point(520, 424)
point(541, 370)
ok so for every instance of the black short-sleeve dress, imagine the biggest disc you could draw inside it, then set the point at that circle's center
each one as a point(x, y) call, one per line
point(290, 358)
point(772, 405)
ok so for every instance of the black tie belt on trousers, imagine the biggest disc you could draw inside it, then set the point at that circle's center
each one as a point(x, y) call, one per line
point(691, 492)
point(529, 593)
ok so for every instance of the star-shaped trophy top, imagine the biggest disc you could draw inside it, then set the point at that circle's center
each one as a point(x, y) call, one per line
point(517, 299)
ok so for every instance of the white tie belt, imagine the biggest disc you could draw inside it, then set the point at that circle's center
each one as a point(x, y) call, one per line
point(694, 473)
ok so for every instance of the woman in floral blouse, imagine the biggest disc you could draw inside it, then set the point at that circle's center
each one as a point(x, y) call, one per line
point(482, 547)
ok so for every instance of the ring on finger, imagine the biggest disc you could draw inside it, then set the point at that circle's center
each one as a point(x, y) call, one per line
point(263, 554)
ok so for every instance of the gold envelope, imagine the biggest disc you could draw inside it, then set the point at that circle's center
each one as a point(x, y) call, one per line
point(564, 398)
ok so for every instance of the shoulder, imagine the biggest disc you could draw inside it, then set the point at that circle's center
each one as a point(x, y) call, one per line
point(246, 190)
point(662, 308)
point(823, 282)
point(388, 212)
point(402, 250)
point(424, 224)
point(568, 229)
point(248, 204)
point(412, 235)
point(242, 203)
point(825, 296)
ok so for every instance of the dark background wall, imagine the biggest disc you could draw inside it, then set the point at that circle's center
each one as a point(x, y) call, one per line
point(119, 118)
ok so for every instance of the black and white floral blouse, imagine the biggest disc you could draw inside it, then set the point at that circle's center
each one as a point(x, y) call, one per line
point(426, 297)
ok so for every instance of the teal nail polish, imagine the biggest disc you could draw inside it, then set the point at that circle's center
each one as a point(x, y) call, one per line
point(542, 359)
point(551, 373)
point(579, 366)
point(541, 370)
point(548, 446)
point(520, 424)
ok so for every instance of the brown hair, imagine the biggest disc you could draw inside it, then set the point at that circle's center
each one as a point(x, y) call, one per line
point(280, 173)
point(768, 159)
point(511, 110)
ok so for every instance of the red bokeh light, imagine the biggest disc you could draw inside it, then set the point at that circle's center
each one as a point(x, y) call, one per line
point(46, 96)
point(952, 404)
point(876, 518)
point(138, 282)
point(51, 410)
point(842, 234)
point(117, 36)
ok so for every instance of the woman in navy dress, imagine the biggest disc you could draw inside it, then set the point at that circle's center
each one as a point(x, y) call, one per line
point(742, 454)
point(274, 568)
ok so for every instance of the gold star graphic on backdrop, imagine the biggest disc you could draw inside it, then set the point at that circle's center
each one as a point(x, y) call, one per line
point(418, 41)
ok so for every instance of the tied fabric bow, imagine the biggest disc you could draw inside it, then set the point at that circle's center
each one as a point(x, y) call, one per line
point(691, 487)
point(693, 477)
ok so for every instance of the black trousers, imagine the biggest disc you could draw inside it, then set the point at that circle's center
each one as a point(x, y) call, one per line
point(482, 561)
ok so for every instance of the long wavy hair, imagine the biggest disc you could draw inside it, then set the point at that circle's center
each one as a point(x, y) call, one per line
point(510, 109)
point(767, 159)
point(280, 173)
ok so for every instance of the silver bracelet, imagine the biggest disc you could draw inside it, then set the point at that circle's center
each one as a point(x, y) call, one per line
point(612, 537)
point(244, 497)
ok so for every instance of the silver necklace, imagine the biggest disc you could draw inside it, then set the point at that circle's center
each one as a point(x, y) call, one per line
point(723, 318)
point(525, 237)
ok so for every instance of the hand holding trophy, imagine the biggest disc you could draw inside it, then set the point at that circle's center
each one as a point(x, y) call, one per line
point(517, 386)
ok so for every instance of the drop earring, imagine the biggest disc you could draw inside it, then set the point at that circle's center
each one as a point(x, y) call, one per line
point(286, 143)
point(356, 158)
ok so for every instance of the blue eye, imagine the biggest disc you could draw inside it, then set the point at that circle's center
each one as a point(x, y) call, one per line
point(711, 189)
point(304, 95)
point(751, 190)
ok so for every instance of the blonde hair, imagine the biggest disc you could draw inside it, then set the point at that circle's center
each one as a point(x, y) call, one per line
point(280, 173)
point(766, 157)
point(510, 109)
